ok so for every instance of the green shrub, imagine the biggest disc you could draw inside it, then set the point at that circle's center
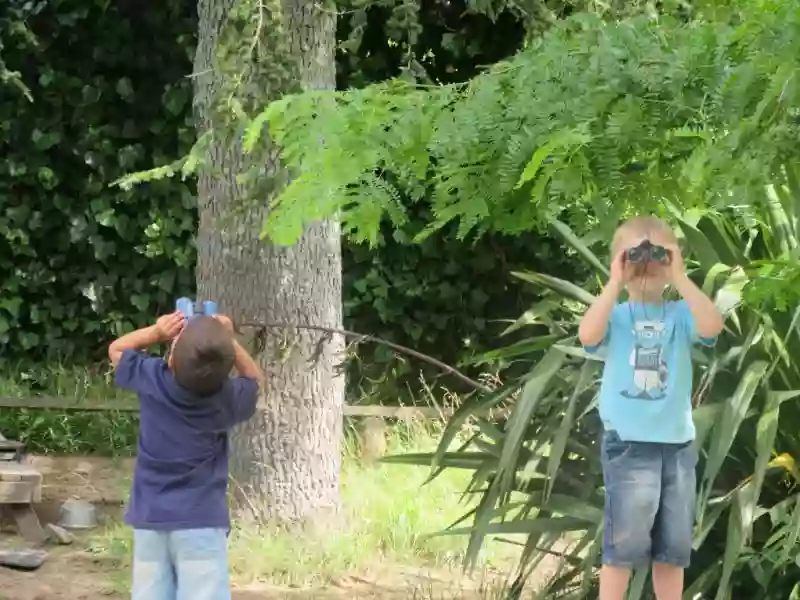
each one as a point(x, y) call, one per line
point(81, 261)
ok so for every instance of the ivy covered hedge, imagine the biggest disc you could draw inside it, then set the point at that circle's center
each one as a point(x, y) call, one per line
point(81, 261)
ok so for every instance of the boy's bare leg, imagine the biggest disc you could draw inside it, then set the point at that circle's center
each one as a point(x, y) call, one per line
point(614, 582)
point(667, 581)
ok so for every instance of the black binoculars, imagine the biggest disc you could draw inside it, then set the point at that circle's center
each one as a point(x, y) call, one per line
point(647, 252)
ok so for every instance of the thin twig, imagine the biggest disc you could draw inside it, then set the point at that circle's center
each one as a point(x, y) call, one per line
point(364, 337)
point(257, 35)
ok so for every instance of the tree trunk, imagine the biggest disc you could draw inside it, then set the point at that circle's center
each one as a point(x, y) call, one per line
point(285, 462)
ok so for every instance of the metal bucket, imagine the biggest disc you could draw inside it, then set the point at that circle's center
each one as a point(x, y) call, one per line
point(78, 514)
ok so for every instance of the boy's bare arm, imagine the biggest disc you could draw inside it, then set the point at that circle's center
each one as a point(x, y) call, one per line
point(592, 330)
point(594, 324)
point(245, 365)
point(708, 321)
point(166, 328)
point(243, 362)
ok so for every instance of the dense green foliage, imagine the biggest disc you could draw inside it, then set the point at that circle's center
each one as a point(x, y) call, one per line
point(593, 117)
point(425, 41)
point(11, 26)
point(81, 261)
point(445, 297)
point(107, 433)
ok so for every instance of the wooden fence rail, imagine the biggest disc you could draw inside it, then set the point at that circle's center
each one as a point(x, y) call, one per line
point(69, 404)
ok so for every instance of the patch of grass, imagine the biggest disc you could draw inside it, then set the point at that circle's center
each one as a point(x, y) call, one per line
point(22, 380)
point(388, 518)
point(106, 433)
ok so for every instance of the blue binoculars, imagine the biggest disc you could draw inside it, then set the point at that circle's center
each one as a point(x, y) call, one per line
point(194, 308)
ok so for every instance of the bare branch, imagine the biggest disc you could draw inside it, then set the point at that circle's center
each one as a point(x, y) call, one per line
point(363, 337)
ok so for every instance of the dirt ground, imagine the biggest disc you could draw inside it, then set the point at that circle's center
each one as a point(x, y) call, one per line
point(67, 575)
point(97, 480)
point(73, 573)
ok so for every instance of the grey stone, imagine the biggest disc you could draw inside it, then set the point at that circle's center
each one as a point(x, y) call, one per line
point(59, 534)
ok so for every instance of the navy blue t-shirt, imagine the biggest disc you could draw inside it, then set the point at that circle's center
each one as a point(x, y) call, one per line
point(181, 476)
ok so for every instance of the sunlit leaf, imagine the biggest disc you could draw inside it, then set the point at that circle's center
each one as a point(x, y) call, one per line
point(567, 423)
point(566, 288)
point(738, 521)
point(573, 240)
point(733, 414)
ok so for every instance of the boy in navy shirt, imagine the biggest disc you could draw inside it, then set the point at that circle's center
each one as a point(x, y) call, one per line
point(178, 506)
point(647, 452)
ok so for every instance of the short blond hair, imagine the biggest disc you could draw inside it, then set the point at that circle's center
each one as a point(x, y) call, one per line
point(641, 225)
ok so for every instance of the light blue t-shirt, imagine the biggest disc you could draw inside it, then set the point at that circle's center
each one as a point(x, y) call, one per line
point(646, 390)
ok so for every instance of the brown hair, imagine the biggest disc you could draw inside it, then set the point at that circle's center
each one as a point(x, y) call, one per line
point(203, 356)
point(642, 225)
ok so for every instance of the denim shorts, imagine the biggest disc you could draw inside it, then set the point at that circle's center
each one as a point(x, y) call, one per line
point(649, 503)
point(190, 564)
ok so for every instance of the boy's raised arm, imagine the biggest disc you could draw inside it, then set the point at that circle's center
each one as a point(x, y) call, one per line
point(243, 362)
point(166, 328)
point(708, 321)
point(592, 330)
point(245, 365)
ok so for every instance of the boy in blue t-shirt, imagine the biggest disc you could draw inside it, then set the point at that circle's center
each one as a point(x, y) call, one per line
point(645, 404)
point(178, 506)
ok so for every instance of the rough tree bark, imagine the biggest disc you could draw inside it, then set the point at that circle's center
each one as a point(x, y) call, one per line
point(286, 460)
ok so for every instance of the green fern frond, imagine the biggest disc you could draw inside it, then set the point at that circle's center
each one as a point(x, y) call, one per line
point(639, 111)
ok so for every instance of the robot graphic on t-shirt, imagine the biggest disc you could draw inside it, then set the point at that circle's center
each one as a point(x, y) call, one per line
point(647, 360)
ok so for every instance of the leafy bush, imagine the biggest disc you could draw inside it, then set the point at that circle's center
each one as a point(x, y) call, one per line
point(593, 118)
point(540, 474)
point(428, 41)
point(81, 261)
point(443, 296)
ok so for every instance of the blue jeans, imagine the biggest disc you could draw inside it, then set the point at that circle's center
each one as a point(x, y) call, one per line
point(649, 503)
point(190, 564)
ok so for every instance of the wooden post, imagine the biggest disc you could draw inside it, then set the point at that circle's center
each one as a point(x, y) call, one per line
point(373, 438)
